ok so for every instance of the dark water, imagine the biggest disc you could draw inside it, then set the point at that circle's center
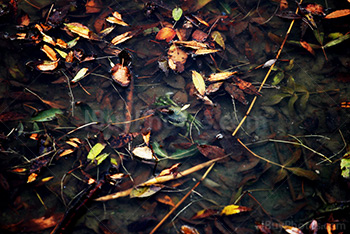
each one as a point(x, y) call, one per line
point(308, 125)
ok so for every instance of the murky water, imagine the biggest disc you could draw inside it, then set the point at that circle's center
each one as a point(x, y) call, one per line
point(297, 122)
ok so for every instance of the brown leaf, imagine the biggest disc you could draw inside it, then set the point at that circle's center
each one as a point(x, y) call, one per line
point(199, 35)
point(165, 199)
point(247, 87)
point(166, 33)
point(204, 213)
point(81, 30)
point(177, 58)
point(338, 13)
point(192, 44)
point(49, 52)
point(212, 88)
point(307, 47)
point(121, 75)
point(212, 151)
point(93, 6)
point(303, 173)
point(236, 93)
point(221, 76)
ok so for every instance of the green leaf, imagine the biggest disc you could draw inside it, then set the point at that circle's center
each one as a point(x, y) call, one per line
point(145, 191)
point(178, 154)
point(337, 41)
point(319, 36)
point(291, 103)
point(46, 115)
point(278, 78)
point(95, 151)
point(303, 173)
point(275, 99)
point(217, 37)
point(80, 75)
point(345, 167)
point(99, 159)
point(300, 88)
point(335, 35)
point(303, 101)
point(290, 65)
point(177, 13)
point(291, 83)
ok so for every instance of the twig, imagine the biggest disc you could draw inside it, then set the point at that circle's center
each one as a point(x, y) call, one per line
point(70, 93)
point(182, 200)
point(267, 75)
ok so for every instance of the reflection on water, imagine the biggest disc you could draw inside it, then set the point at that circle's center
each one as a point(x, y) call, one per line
point(297, 124)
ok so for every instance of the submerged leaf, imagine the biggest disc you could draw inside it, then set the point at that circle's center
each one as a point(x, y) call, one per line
point(307, 47)
point(275, 99)
point(345, 167)
point(218, 38)
point(145, 191)
point(198, 82)
point(303, 173)
point(291, 103)
point(281, 174)
point(143, 152)
point(221, 76)
point(46, 115)
point(303, 101)
point(278, 78)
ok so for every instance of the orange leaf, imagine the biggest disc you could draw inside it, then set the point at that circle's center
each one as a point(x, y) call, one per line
point(66, 152)
point(49, 52)
point(32, 177)
point(283, 5)
point(234, 209)
point(122, 37)
point(185, 229)
point(165, 199)
point(338, 13)
point(307, 47)
point(247, 87)
point(166, 33)
point(220, 76)
point(47, 65)
point(121, 75)
point(93, 6)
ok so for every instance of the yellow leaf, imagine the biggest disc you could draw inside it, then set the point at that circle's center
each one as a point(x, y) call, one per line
point(234, 209)
point(198, 82)
point(192, 44)
point(143, 152)
point(205, 51)
point(122, 37)
point(218, 38)
point(220, 76)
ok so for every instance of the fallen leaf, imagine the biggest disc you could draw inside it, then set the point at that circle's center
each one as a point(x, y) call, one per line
point(303, 173)
point(205, 213)
point(121, 75)
point(81, 30)
point(144, 152)
point(198, 82)
point(122, 37)
point(192, 44)
point(176, 58)
point(185, 229)
point(234, 209)
point(47, 65)
point(221, 76)
point(95, 151)
point(166, 33)
point(337, 14)
point(177, 13)
point(165, 199)
point(32, 177)
point(292, 230)
point(307, 47)
point(205, 51)
point(212, 151)
point(145, 191)
point(80, 74)
point(218, 38)
point(236, 93)
point(199, 35)
point(246, 86)
point(283, 5)
point(93, 6)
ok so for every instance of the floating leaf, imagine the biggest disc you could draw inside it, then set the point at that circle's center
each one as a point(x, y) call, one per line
point(145, 191)
point(144, 152)
point(46, 115)
point(116, 19)
point(177, 13)
point(95, 151)
point(234, 209)
point(192, 44)
point(303, 173)
point(205, 51)
point(49, 52)
point(337, 41)
point(218, 38)
point(122, 37)
point(269, 63)
point(221, 76)
point(337, 14)
point(100, 158)
point(198, 82)
point(121, 74)
point(166, 33)
point(47, 65)
point(81, 30)
point(292, 230)
point(306, 46)
point(80, 75)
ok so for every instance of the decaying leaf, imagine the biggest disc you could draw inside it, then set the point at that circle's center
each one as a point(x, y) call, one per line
point(337, 14)
point(165, 199)
point(121, 74)
point(246, 86)
point(205, 213)
point(236, 93)
point(166, 33)
point(47, 65)
point(176, 58)
point(303, 173)
point(205, 51)
point(212, 151)
point(198, 82)
point(292, 230)
point(234, 209)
